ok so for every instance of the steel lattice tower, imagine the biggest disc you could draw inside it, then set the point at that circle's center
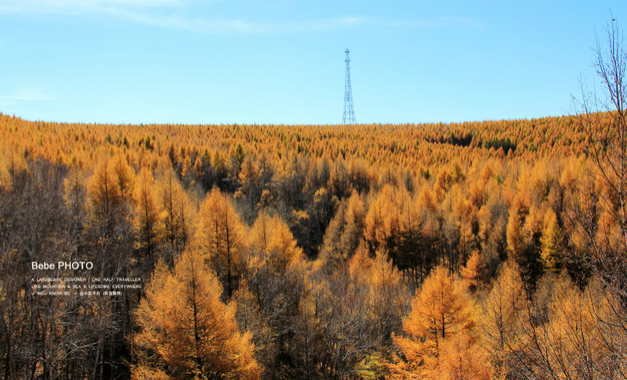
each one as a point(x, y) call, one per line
point(349, 111)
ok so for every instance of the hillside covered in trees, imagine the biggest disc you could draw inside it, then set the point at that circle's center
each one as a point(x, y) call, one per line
point(457, 251)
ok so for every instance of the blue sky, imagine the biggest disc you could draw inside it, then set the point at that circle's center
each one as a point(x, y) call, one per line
point(282, 61)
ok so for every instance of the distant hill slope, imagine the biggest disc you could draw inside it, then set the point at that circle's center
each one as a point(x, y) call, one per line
point(411, 145)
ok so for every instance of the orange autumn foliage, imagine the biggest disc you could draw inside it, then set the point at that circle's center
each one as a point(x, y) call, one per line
point(439, 333)
point(187, 332)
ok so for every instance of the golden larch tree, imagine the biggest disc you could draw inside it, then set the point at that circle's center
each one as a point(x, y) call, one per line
point(472, 272)
point(125, 176)
point(551, 242)
point(503, 307)
point(440, 311)
point(220, 238)
point(516, 244)
point(147, 218)
point(583, 337)
point(386, 291)
point(258, 239)
point(186, 331)
point(178, 210)
point(282, 248)
point(103, 190)
point(461, 358)
point(344, 232)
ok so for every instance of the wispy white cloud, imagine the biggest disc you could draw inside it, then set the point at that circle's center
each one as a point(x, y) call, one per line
point(32, 94)
point(236, 26)
point(436, 23)
point(242, 26)
point(27, 95)
point(80, 6)
point(168, 14)
point(451, 22)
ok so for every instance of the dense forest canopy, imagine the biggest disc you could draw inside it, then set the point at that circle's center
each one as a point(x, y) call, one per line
point(412, 146)
point(477, 250)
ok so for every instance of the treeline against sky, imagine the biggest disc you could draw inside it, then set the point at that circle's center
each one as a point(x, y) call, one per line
point(458, 251)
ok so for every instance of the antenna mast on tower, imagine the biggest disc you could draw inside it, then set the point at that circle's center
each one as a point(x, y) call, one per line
point(349, 111)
